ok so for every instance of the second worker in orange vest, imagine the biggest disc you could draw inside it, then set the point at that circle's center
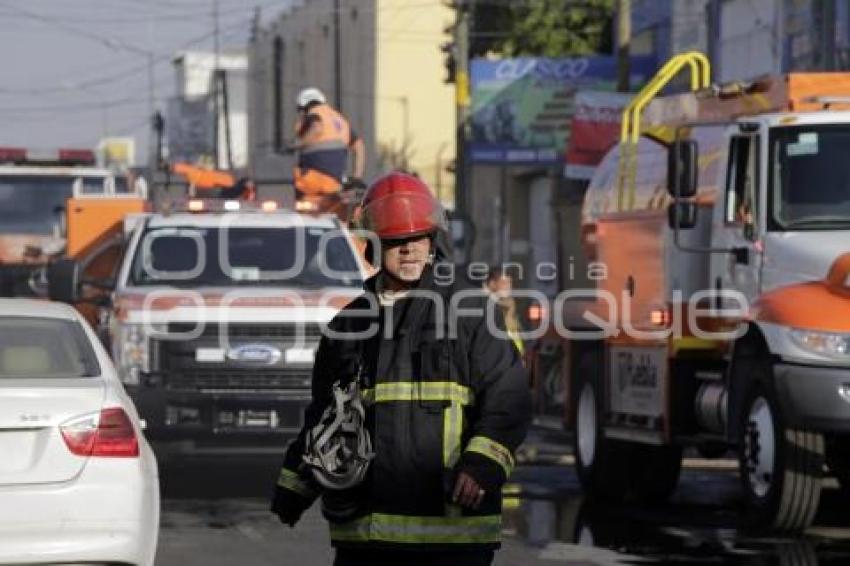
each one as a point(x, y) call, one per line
point(324, 138)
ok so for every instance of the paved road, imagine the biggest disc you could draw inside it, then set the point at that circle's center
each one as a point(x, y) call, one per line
point(217, 515)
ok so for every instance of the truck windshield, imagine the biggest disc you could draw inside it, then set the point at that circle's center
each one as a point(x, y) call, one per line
point(222, 257)
point(810, 178)
point(33, 204)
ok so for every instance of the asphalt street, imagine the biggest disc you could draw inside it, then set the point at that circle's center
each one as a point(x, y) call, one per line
point(215, 513)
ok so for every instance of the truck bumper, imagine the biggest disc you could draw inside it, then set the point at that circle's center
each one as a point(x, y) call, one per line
point(810, 396)
point(197, 423)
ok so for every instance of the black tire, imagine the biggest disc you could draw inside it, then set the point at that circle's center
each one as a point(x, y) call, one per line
point(603, 464)
point(838, 460)
point(782, 496)
point(656, 471)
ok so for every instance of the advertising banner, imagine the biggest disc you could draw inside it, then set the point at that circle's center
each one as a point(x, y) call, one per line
point(594, 129)
point(522, 108)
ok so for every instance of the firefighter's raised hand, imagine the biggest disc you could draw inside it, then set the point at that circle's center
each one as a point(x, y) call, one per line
point(467, 492)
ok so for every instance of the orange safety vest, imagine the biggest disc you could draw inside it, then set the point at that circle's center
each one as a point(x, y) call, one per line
point(334, 135)
point(335, 132)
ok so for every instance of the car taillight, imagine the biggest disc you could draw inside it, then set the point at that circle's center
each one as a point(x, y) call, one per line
point(109, 434)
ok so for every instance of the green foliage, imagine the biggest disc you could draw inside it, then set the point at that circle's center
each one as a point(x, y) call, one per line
point(547, 28)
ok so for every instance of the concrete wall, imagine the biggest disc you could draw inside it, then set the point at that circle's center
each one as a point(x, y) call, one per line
point(748, 39)
point(304, 36)
point(391, 82)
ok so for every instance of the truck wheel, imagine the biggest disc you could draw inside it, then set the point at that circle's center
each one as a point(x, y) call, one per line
point(601, 464)
point(838, 460)
point(780, 467)
point(657, 470)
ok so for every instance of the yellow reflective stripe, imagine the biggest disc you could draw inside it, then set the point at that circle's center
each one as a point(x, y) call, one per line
point(493, 450)
point(517, 340)
point(418, 391)
point(429, 530)
point(292, 481)
point(452, 428)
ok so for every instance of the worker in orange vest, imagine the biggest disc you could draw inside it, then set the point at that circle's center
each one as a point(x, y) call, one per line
point(323, 140)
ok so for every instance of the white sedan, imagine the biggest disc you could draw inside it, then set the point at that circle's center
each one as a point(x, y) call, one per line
point(78, 481)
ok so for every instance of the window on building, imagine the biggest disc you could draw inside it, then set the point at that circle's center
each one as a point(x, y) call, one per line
point(277, 93)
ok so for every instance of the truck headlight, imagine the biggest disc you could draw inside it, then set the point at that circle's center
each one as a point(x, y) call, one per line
point(131, 350)
point(824, 343)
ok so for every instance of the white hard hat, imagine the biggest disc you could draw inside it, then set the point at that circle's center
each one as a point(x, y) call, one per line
point(308, 96)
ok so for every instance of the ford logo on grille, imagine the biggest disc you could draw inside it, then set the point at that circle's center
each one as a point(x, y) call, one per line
point(255, 354)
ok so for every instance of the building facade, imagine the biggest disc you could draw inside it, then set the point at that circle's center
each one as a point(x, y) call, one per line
point(378, 61)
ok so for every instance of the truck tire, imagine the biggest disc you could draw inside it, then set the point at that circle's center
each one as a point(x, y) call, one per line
point(838, 460)
point(602, 464)
point(780, 467)
point(656, 471)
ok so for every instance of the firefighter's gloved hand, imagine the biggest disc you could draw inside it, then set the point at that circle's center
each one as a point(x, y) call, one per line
point(476, 479)
point(288, 505)
point(467, 493)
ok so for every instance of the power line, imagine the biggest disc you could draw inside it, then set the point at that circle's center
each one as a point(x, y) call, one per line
point(115, 77)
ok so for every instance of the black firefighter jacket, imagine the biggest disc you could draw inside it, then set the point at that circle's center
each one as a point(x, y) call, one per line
point(437, 403)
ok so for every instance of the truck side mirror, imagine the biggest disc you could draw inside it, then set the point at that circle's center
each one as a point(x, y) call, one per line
point(63, 279)
point(686, 212)
point(682, 169)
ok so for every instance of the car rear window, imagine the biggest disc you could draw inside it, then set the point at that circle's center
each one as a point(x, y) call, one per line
point(44, 347)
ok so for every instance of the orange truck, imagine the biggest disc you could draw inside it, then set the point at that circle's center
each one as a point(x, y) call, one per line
point(34, 188)
point(720, 225)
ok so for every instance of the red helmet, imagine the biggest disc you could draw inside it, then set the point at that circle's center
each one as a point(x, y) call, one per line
point(399, 206)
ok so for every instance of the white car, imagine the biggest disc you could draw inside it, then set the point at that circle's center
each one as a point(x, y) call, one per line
point(78, 481)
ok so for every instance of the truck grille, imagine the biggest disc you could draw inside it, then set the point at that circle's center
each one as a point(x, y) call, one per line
point(213, 381)
point(182, 368)
point(310, 331)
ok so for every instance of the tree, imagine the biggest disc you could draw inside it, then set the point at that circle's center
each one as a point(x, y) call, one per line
point(542, 28)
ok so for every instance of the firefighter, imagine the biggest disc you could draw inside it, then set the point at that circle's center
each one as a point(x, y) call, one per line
point(323, 140)
point(413, 426)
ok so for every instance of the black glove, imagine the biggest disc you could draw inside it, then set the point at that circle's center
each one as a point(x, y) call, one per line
point(288, 505)
point(486, 473)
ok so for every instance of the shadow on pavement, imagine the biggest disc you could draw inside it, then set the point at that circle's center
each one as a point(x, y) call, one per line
point(217, 478)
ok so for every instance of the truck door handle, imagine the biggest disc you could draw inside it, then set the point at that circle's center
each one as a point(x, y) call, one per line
point(630, 286)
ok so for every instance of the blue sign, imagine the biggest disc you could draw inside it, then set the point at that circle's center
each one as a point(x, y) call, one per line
point(522, 108)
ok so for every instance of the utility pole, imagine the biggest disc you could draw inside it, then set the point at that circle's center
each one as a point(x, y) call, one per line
point(624, 39)
point(461, 41)
point(337, 58)
point(215, 86)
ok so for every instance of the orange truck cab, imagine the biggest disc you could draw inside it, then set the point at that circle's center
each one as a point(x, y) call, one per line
point(34, 189)
point(722, 224)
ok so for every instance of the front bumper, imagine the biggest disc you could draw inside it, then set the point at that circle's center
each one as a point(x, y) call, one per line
point(810, 398)
point(218, 423)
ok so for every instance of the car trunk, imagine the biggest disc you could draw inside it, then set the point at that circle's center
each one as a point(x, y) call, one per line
point(32, 450)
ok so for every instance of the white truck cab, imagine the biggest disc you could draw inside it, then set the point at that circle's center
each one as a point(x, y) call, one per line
point(723, 220)
point(215, 314)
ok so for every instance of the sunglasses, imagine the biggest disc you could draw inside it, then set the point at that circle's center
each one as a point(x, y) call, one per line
point(394, 243)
